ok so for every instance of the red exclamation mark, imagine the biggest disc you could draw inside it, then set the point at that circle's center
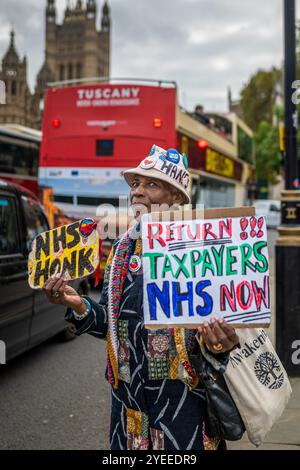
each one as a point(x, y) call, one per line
point(260, 223)
point(244, 225)
point(253, 225)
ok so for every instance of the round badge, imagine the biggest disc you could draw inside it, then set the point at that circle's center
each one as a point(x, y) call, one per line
point(148, 162)
point(135, 263)
point(173, 156)
point(185, 161)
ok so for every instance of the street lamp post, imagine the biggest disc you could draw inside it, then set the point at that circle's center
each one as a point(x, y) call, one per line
point(288, 242)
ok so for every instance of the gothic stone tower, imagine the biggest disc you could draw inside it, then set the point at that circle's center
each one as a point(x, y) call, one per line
point(76, 48)
point(18, 107)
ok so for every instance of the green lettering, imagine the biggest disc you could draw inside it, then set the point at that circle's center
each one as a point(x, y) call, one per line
point(230, 259)
point(207, 264)
point(195, 259)
point(153, 263)
point(218, 256)
point(167, 267)
point(257, 247)
point(246, 252)
point(181, 268)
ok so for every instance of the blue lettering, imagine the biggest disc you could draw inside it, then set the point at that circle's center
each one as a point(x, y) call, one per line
point(163, 296)
point(208, 301)
point(178, 297)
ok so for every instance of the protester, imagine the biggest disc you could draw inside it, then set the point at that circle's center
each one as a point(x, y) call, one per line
point(157, 398)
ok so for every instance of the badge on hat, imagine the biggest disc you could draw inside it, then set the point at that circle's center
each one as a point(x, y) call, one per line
point(148, 162)
point(173, 156)
point(135, 263)
point(185, 161)
point(152, 151)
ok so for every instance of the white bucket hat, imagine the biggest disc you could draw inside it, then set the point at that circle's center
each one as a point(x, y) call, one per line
point(165, 165)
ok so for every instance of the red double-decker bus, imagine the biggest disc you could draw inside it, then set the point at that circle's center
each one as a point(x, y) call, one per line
point(93, 132)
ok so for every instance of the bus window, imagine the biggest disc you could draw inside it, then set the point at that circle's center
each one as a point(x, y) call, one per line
point(64, 199)
point(19, 159)
point(96, 201)
point(35, 219)
point(104, 148)
point(245, 149)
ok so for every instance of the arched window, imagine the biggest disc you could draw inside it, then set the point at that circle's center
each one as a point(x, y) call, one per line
point(61, 72)
point(70, 71)
point(78, 71)
point(2, 92)
point(13, 88)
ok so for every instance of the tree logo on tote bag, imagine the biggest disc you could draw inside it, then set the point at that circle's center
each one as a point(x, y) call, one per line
point(268, 371)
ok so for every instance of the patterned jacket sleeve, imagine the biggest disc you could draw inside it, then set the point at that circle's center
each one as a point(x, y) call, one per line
point(96, 322)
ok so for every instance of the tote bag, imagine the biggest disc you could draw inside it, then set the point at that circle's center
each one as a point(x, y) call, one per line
point(257, 382)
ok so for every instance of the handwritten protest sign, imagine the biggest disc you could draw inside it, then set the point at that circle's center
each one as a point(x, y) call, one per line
point(71, 250)
point(198, 269)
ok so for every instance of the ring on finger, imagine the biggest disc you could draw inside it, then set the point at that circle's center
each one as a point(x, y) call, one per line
point(55, 294)
point(217, 347)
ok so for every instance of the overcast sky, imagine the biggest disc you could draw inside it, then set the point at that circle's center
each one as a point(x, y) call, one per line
point(204, 45)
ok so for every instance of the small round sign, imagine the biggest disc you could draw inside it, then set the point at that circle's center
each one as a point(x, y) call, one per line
point(135, 263)
point(173, 156)
point(148, 162)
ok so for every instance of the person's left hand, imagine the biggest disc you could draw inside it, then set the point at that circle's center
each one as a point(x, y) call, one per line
point(218, 336)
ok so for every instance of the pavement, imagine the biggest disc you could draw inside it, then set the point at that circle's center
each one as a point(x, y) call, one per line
point(285, 434)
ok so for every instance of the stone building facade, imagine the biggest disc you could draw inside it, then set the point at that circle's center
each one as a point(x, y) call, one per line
point(74, 49)
point(18, 106)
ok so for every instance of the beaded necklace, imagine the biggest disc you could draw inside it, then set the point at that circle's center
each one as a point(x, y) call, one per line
point(117, 278)
point(125, 249)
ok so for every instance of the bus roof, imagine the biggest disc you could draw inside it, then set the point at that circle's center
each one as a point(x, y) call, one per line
point(16, 130)
point(112, 81)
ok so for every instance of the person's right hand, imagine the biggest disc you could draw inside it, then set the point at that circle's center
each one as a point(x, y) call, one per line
point(59, 292)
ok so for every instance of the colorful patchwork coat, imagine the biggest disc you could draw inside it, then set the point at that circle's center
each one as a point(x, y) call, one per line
point(158, 401)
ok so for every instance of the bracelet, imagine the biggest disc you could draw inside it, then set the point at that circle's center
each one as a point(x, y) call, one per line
point(87, 311)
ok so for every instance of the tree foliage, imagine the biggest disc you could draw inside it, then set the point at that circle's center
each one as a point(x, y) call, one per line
point(257, 97)
point(267, 152)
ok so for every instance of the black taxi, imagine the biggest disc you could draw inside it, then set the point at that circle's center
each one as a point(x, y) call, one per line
point(26, 317)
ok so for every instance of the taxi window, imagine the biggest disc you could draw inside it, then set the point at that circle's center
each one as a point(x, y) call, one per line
point(35, 219)
point(9, 240)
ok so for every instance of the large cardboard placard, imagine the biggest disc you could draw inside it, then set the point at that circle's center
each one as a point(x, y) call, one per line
point(71, 250)
point(202, 268)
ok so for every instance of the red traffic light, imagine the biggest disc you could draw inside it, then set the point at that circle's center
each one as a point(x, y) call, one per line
point(202, 144)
